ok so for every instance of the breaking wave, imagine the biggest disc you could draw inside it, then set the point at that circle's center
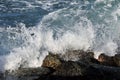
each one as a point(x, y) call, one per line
point(81, 25)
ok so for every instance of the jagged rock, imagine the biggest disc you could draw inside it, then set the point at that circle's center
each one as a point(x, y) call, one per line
point(88, 58)
point(75, 55)
point(55, 60)
point(52, 61)
point(109, 73)
point(64, 68)
point(26, 73)
point(106, 60)
point(109, 60)
point(67, 68)
point(54, 67)
point(64, 65)
point(1, 76)
point(116, 59)
point(79, 55)
point(71, 70)
point(31, 71)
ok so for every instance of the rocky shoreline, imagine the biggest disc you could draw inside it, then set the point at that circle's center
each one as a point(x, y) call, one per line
point(73, 65)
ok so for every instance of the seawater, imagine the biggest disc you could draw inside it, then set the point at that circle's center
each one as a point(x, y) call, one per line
point(29, 29)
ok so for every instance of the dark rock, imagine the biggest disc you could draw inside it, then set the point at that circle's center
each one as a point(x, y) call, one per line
point(26, 73)
point(71, 70)
point(89, 58)
point(109, 60)
point(79, 55)
point(66, 68)
point(31, 71)
point(73, 55)
point(56, 60)
point(116, 59)
point(1, 76)
point(55, 67)
point(108, 72)
point(106, 60)
point(51, 61)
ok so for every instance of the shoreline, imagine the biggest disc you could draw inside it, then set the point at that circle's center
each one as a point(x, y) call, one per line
point(64, 67)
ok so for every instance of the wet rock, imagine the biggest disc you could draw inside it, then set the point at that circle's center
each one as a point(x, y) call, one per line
point(52, 61)
point(1, 76)
point(66, 68)
point(106, 60)
point(73, 55)
point(31, 71)
point(26, 73)
point(54, 67)
point(63, 68)
point(108, 72)
point(109, 60)
point(55, 60)
point(116, 59)
point(79, 55)
point(70, 70)
point(89, 58)
point(73, 74)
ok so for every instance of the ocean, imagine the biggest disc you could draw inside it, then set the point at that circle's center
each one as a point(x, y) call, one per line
point(29, 29)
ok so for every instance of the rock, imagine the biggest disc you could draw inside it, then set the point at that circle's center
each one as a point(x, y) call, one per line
point(26, 73)
point(66, 68)
point(51, 61)
point(31, 71)
point(106, 60)
point(109, 60)
point(54, 67)
point(71, 70)
point(1, 76)
point(73, 55)
point(79, 55)
point(116, 59)
point(109, 73)
point(89, 58)
point(55, 60)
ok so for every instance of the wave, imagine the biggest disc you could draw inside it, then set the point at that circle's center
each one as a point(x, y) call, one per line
point(93, 25)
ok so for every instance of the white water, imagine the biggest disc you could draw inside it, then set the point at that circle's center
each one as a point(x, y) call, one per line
point(67, 28)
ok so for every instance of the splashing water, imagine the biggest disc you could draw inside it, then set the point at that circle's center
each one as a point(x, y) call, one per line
point(81, 25)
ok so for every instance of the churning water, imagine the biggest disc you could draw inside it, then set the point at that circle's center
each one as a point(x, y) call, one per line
point(29, 29)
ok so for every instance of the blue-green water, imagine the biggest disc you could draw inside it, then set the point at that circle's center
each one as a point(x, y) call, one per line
point(29, 29)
